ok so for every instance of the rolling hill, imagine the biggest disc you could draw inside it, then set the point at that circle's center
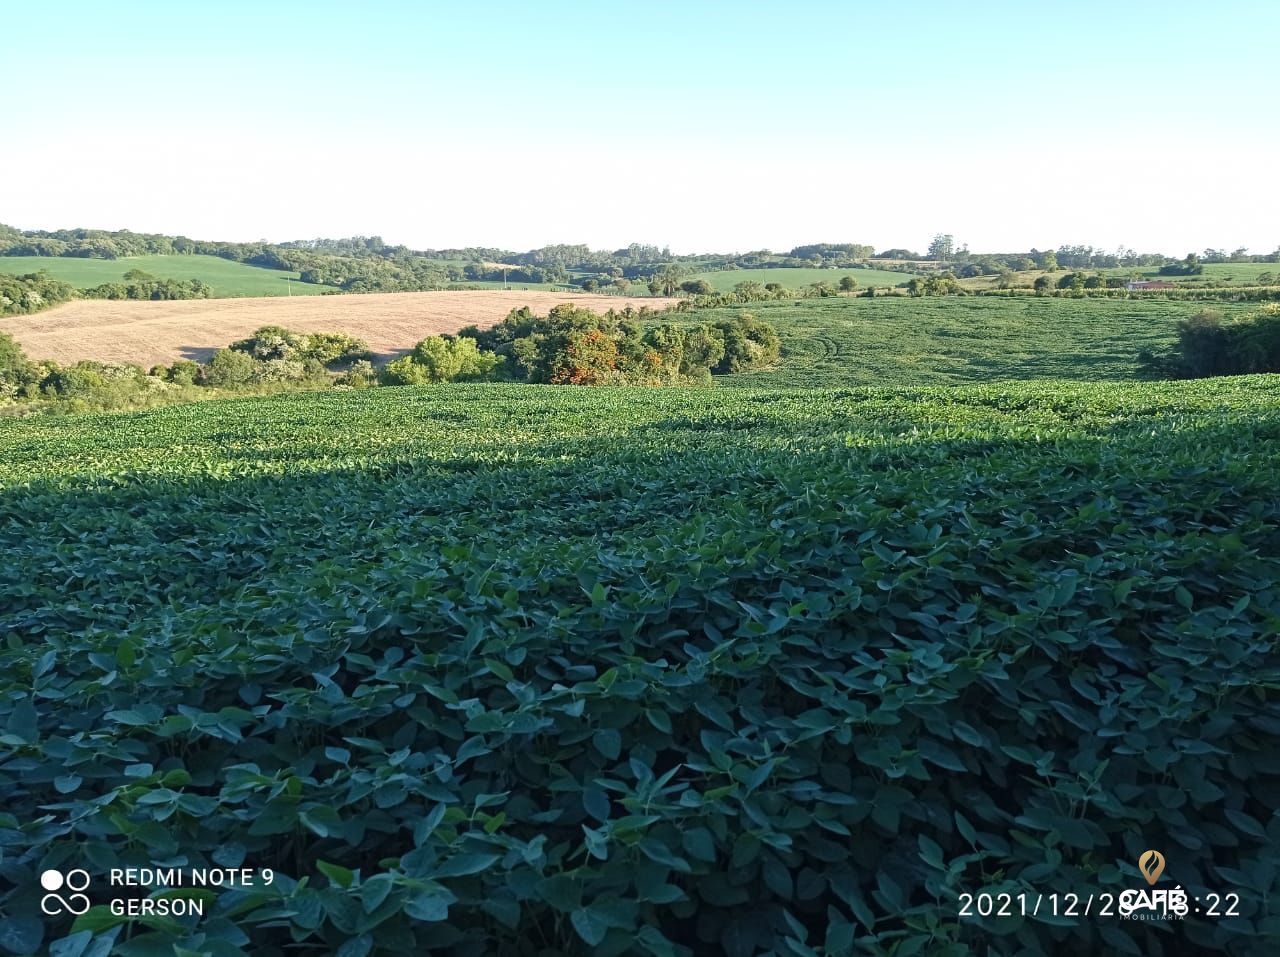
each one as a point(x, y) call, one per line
point(229, 279)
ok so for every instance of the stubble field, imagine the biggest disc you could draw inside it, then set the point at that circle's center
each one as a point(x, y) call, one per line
point(150, 333)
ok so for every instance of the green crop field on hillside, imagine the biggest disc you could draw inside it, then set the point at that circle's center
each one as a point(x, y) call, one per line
point(228, 279)
point(845, 341)
point(796, 278)
point(1214, 274)
point(1231, 274)
point(520, 669)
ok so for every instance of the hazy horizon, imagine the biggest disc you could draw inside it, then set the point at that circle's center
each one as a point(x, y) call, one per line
point(919, 247)
point(717, 128)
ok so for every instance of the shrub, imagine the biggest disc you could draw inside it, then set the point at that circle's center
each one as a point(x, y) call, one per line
point(404, 371)
point(270, 342)
point(16, 371)
point(335, 349)
point(330, 349)
point(282, 370)
point(1256, 340)
point(450, 358)
point(96, 384)
point(587, 357)
point(703, 349)
point(228, 367)
point(748, 344)
point(361, 375)
point(1209, 346)
point(183, 372)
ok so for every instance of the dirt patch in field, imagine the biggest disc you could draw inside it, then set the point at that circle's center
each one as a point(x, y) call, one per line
point(150, 333)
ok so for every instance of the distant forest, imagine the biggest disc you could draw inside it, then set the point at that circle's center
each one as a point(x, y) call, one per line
point(367, 264)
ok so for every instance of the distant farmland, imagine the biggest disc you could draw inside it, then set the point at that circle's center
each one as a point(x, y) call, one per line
point(150, 333)
point(1214, 274)
point(798, 278)
point(227, 278)
point(1233, 274)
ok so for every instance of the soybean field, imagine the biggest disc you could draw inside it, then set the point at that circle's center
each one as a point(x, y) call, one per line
point(849, 341)
point(527, 670)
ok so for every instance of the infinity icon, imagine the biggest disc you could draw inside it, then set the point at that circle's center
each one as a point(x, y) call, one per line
point(54, 903)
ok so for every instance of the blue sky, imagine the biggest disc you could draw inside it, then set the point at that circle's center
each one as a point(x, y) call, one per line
point(709, 125)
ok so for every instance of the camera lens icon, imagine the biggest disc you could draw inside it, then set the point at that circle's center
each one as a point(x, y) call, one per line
point(75, 881)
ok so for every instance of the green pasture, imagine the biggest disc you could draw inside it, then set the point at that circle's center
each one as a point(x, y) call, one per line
point(228, 279)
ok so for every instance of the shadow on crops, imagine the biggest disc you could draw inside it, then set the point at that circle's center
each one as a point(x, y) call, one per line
point(129, 544)
point(712, 528)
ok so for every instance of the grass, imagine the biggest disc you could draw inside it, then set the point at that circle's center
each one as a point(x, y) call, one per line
point(491, 665)
point(848, 341)
point(228, 279)
point(1228, 274)
point(797, 278)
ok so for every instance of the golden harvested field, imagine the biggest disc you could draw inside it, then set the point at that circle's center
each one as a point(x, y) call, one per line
point(150, 333)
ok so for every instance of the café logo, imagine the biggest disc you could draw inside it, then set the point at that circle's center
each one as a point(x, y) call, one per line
point(1151, 863)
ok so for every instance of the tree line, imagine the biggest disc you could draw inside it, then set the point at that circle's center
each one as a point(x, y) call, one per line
point(21, 295)
point(368, 264)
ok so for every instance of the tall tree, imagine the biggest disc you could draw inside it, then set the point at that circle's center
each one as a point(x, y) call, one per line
point(669, 279)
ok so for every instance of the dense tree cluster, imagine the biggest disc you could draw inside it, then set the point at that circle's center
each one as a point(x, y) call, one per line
point(31, 293)
point(140, 285)
point(329, 349)
point(16, 372)
point(275, 354)
point(372, 273)
point(940, 284)
point(441, 359)
point(1190, 266)
point(1209, 345)
point(833, 254)
point(571, 345)
point(90, 243)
